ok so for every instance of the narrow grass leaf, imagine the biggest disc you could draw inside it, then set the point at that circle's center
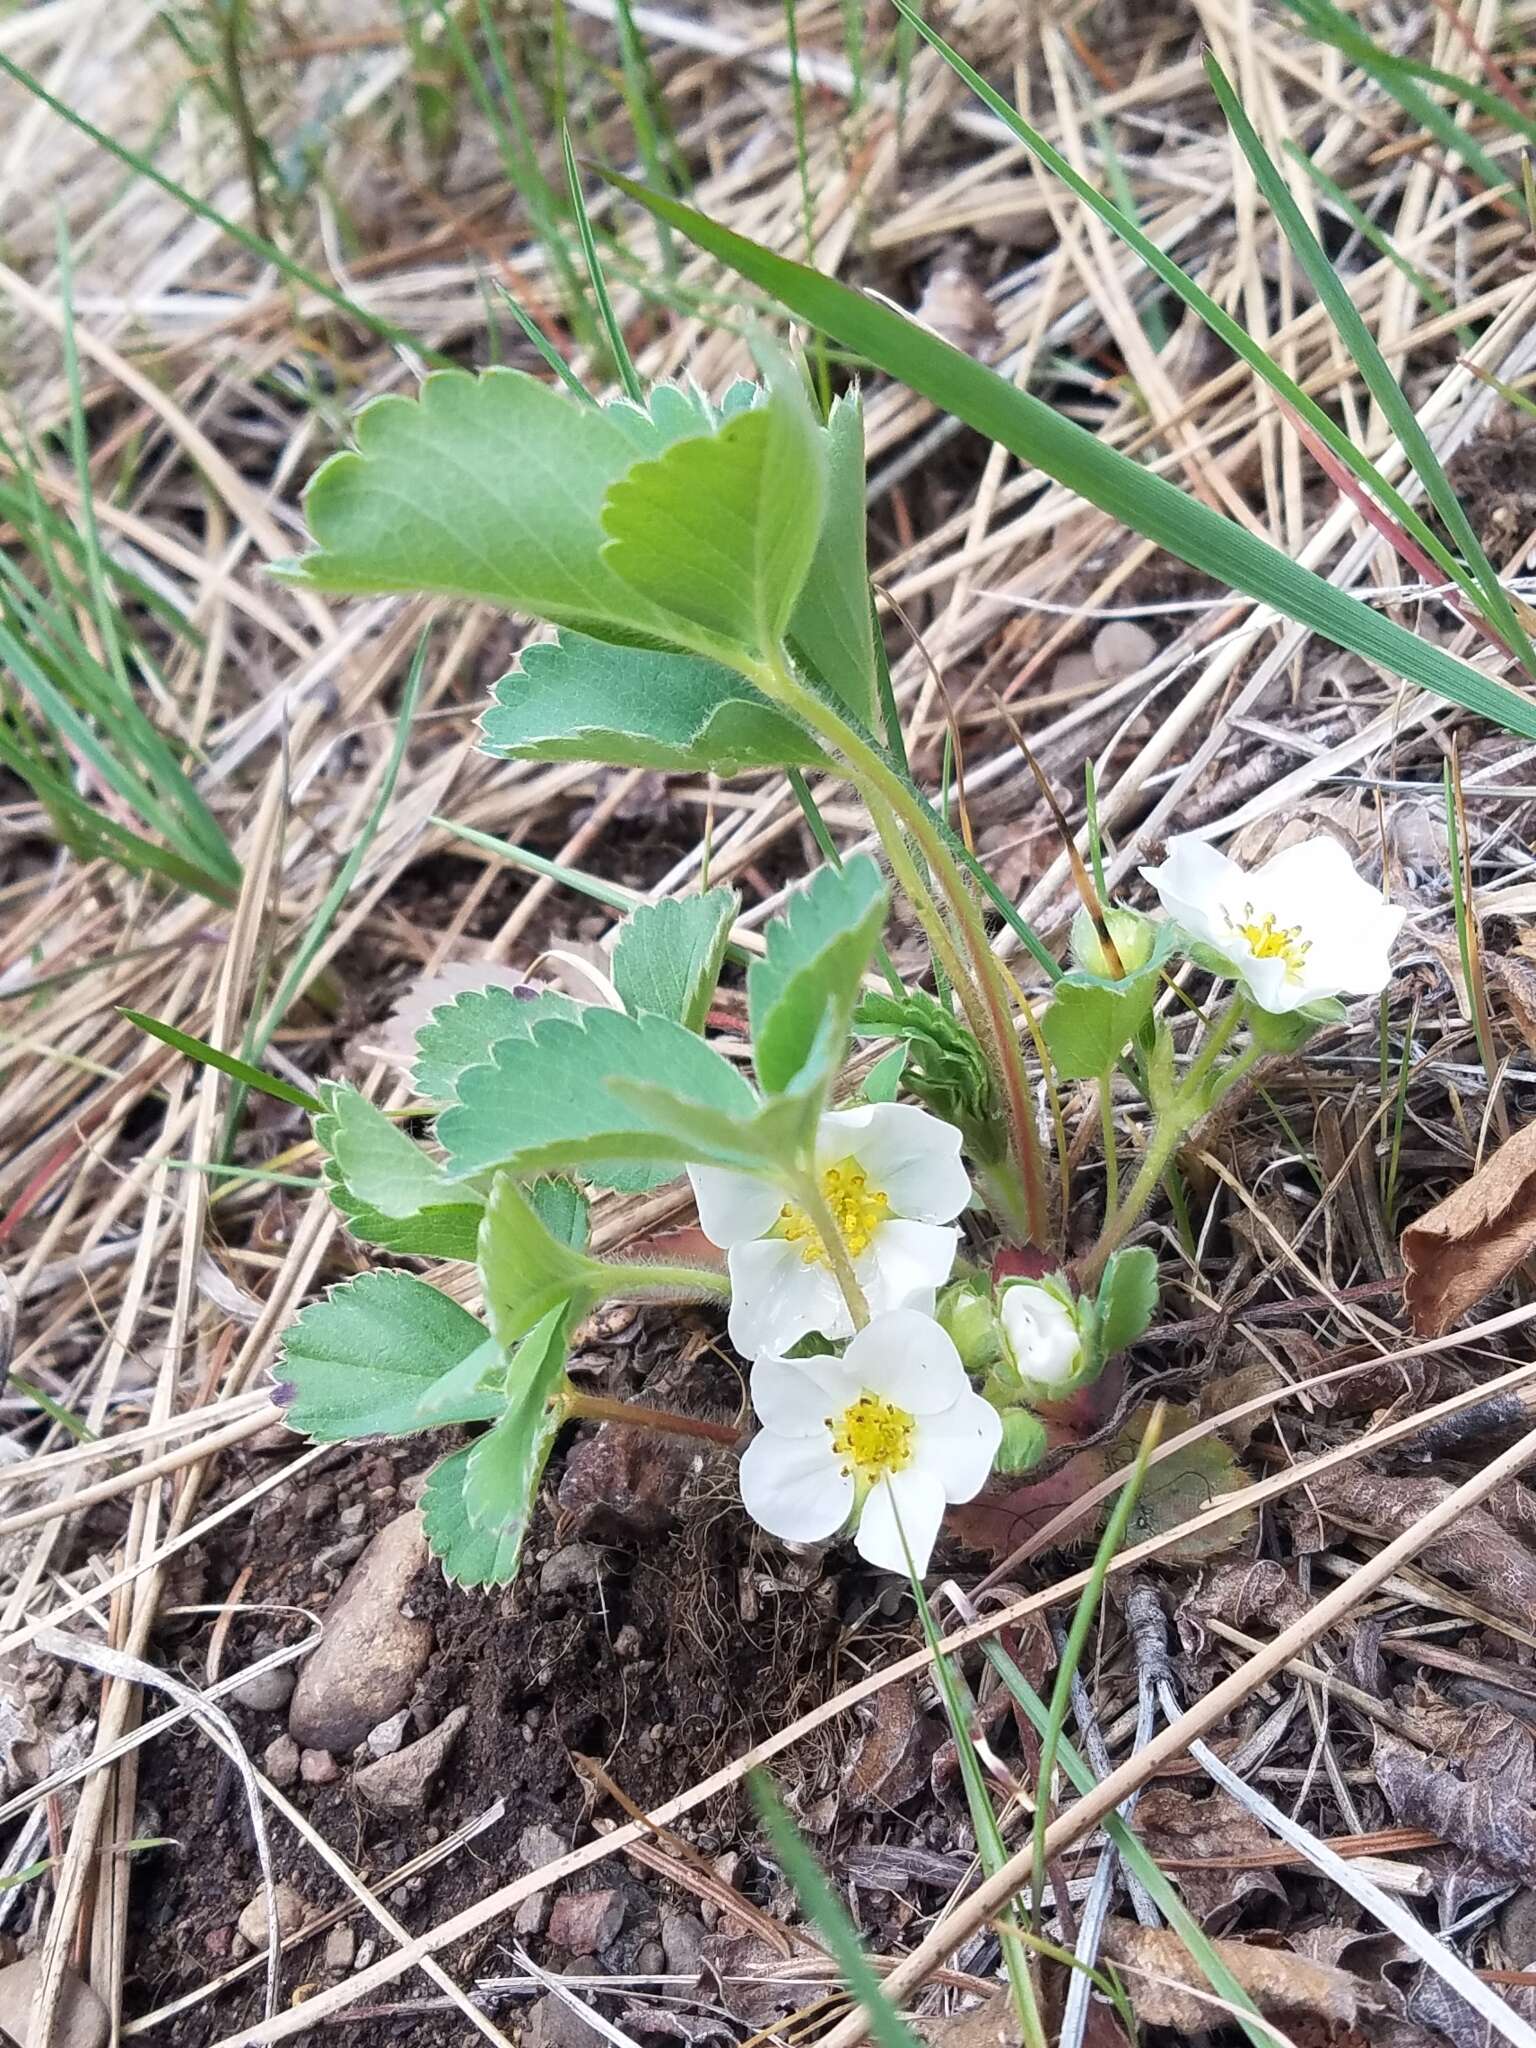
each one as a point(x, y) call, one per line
point(210, 1056)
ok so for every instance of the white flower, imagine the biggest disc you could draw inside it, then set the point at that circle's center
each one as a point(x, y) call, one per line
point(892, 1179)
point(1041, 1332)
point(1302, 927)
point(892, 1430)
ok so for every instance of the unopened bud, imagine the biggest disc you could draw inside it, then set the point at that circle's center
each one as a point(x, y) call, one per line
point(1132, 934)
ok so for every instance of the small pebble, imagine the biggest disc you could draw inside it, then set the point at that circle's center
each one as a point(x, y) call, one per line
point(280, 1761)
point(265, 1691)
point(571, 1568)
point(340, 1948)
point(352, 1519)
point(532, 1916)
point(650, 1959)
point(366, 1951)
point(388, 1736)
point(1122, 648)
point(540, 1844)
point(583, 1922)
point(318, 1767)
point(291, 1911)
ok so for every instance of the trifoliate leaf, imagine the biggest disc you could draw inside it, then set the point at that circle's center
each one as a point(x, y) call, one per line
point(721, 530)
point(359, 1361)
point(666, 957)
point(1127, 1298)
point(542, 1099)
point(528, 1268)
point(488, 487)
point(832, 630)
point(579, 699)
point(462, 1033)
point(390, 1191)
point(817, 952)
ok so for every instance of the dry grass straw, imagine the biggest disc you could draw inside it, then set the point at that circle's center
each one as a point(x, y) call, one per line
point(202, 429)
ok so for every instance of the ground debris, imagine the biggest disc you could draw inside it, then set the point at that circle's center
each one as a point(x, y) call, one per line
point(1470, 1243)
point(1166, 1984)
point(1476, 1815)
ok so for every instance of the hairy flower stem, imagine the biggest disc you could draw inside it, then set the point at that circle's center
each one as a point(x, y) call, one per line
point(811, 1199)
point(887, 794)
point(630, 1415)
point(1194, 1096)
point(648, 1280)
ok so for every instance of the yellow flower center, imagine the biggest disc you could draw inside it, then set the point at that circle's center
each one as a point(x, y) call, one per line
point(856, 1208)
point(873, 1438)
point(1269, 941)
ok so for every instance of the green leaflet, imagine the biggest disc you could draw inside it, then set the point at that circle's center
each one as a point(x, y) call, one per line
point(816, 956)
point(528, 1264)
point(667, 955)
point(579, 699)
point(462, 1033)
point(359, 1361)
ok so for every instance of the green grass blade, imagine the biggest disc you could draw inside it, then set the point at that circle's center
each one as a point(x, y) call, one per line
point(1077, 459)
point(1372, 364)
point(826, 1912)
point(1215, 316)
point(618, 347)
point(208, 1055)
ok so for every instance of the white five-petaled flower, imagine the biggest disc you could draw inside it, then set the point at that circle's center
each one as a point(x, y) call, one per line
point(1302, 927)
point(892, 1431)
point(1041, 1332)
point(892, 1180)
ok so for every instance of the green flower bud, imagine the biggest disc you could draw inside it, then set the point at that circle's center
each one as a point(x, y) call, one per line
point(1024, 1441)
point(1133, 935)
point(964, 1310)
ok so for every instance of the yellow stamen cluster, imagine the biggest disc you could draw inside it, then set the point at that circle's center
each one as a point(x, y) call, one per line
point(1269, 941)
point(873, 1437)
point(856, 1208)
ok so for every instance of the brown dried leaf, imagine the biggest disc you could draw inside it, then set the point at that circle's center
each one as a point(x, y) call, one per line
point(1512, 977)
point(1475, 1548)
point(890, 1763)
point(1180, 1829)
point(999, 1521)
point(1163, 1980)
point(1478, 1816)
point(1470, 1243)
point(1235, 1593)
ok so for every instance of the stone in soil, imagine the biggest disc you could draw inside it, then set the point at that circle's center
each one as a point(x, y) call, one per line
point(571, 1569)
point(540, 1844)
point(280, 1761)
point(340, 1948)
point(318, 1767)
point(389, 1735)
point(532, 1916)
point(623, 1485)
point(399, 1783)
point(583, 1922)
point(265, 1691)
point(554, 2024)
point(370, 1654)
point(1121, 648)
point(291, 1910)
point(682, 1941)
point(83, 2020)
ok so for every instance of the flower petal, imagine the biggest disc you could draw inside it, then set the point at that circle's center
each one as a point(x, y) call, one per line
point(914, 1158)
point(794, 1396)
point(959, 1446)
point(776, 1298)
point(910, 1360)
point(904, 1260)
point(734, 1207)
point(1196, 885)
point(909, 1504)
point(794, 1487)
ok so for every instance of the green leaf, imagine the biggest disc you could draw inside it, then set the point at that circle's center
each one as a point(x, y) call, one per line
point(360, 1360)
point(766, 1141)
point(1291, 1030)
point(946, 1068)
point(1046, 439)
point(1127, 1298)
point(208, 1055)
point(468, 1556)
point(543, 1097)
point(1181, 1486)
point(462, 1033)
point(475, 1390)
point(488, 487)
point(1092, 1019)
point(667, 955)
point(817, 952)
point(883, 1081)
point(501, 1478)
point(578, 699)
point(527, 1268)
point(831, 631)
point(721, 530)
point(389, 1190)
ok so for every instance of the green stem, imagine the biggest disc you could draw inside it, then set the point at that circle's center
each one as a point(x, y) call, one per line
point(630, 1415)
point(645, 1280)
point(1111, 1149)
point(814, 1203)
point(875, 777)
point(1175, 1119)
